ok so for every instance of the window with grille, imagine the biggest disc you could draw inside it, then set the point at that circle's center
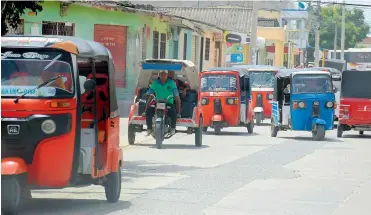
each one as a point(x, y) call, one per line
point(58, 28)
point(207, 49)
point(185, 47)
point(16, 31)
point(155, 44)
point(163, 46)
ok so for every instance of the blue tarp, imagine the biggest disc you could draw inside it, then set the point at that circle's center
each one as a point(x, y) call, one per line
point(162, 66)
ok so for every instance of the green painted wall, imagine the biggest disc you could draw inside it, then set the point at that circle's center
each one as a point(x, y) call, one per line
point(84, 18)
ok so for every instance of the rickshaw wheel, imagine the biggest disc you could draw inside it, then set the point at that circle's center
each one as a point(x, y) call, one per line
point(319, 133)
point(250, 127)
point(11, 195)
point(159, 135)
point(112, 186)
point(259, 118)
point(131, 135)
point(198, 133)
point(274, 129)
point(339, 131)
point(204, 129)
point(361, 132)
point(217, 128)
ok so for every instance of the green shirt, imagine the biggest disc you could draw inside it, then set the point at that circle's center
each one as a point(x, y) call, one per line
point(163, 91)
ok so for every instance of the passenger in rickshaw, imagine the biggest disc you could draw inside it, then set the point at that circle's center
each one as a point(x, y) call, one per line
point(163, 88)
point(182, 86)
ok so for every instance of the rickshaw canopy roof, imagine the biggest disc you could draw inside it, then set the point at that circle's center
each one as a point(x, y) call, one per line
point(76, 45)
point(256, 67)
point(286, 73)
point(241, 71)
point(185, 70)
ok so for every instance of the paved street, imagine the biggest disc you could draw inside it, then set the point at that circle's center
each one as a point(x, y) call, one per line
point(233, 173)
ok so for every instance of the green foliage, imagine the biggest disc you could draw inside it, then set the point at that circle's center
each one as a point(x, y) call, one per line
point(11, 11)
point(356, 28)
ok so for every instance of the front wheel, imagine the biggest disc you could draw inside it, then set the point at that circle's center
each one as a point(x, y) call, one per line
point(250, 127)
point(259, 118)
point(159, 135)
point(274, 129)
point(198, 133)
point(217, 128)
point(361, 132)
point(204, 129)
point(11, 194)
point(339, 131)
point(131, 135)
point(112, 186)
point(319, 133)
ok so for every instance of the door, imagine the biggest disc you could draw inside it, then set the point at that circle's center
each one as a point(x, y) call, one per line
point(114, 38)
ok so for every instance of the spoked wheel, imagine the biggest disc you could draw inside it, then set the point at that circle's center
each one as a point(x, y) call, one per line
point(259, 118)
point(274, 129)
point(198, 133)
point(131, 135)
point(112, 186)
point(11, 195)
point(361, 132)
point(339, 131)
point(319, 133)
point(159, 134)
point(250, 127)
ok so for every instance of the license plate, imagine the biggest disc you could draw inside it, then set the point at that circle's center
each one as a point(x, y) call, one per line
point(13, 129)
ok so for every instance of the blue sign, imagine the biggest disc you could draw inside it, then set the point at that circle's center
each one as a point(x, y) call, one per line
point(237, 58)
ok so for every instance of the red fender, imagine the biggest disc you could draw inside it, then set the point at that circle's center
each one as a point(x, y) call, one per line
point(132, 110)
point(117, 156)
point(217, 118)
point(13, 166)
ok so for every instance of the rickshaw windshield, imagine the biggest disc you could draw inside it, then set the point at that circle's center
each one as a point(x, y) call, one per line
point(218, 83)
point(311, 83)
point(262, 79)
point(356, 85)
point(23, 69)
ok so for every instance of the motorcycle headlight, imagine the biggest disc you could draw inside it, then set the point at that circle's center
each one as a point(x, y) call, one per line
point(329, 104)
point(204, 101)
point(48, 126)
point(316, 103)
point(301, 105)
point(230, 101)
point(270, 96)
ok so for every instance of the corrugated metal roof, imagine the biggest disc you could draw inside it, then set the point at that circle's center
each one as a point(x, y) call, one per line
point(232, 19)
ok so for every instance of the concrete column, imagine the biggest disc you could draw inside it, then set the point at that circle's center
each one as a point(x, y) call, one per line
point(279, 53)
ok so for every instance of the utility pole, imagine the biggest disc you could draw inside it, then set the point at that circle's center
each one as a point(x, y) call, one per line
point(316, 52)
point(336, 39)
point(253, 36)
point(343, 31)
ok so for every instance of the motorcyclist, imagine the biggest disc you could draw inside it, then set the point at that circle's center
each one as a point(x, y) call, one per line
point(163, 88)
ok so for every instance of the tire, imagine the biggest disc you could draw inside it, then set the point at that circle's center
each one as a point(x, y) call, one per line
point(259, 118)
point(319, 133)
point(250, 127)
point(112, 186)
point(217, 128)
point(159, 135)
point(274, 128)
point(131, 135)
point(198, 133)
point(204, 129)
point(11, 194)
point(361, 132)
point(340, 131)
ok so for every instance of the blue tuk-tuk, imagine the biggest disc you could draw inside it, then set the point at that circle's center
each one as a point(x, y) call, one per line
point(303, 101)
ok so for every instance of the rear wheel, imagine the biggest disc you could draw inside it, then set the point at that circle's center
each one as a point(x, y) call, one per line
point(339, 131)
point(11, 194)
point(159, 135)
point(198, 133)
point(112, 186)
point(250, 127)
point(319, 133)
point(259, 118)
point(204, 129)
point(217, 128)
point(361, 132)
point(131, 135)
point(274, 128)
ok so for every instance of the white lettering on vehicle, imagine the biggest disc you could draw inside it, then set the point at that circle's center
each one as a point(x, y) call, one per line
point(29, 55)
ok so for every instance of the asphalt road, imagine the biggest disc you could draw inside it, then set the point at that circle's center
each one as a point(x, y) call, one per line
point(233, 173)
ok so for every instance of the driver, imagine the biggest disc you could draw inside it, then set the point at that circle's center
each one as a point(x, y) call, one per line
point(163, 88)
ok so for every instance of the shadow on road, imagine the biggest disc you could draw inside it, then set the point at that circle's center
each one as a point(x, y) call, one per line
point(228, 133)
point(39, 206)
point(356, 136)
point(168, 146)
point(300, 138)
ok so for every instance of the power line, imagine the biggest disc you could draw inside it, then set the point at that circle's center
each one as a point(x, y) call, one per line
point(338, 3)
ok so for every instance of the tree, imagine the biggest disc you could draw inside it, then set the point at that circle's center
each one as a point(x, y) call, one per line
point(356, 29)
point(11, 11)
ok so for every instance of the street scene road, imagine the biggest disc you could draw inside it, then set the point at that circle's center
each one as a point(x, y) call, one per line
point(232, 173)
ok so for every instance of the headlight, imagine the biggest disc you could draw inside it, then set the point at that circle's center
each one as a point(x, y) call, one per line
point(48, 126)
point(329, 104)
point(270, 96)
point(204, 101)
point(301, 104)
point(316, 103)
point(230, 101)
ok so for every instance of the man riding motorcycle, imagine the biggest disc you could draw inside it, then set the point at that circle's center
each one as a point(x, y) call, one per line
point(163, 88)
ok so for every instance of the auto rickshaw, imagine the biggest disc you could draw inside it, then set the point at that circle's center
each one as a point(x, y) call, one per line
point(262, 87)
point(225, 96)
point(355, 102)
point(59, 118)
point(303, 101)
point(191, 117)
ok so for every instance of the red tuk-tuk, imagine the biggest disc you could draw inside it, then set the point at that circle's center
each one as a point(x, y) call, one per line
point(355, 102)
point(225, 99)
point(262, 88)
point(60, 121)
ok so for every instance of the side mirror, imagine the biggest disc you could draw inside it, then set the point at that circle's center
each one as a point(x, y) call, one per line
point(286, 91)
point(89, 85)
